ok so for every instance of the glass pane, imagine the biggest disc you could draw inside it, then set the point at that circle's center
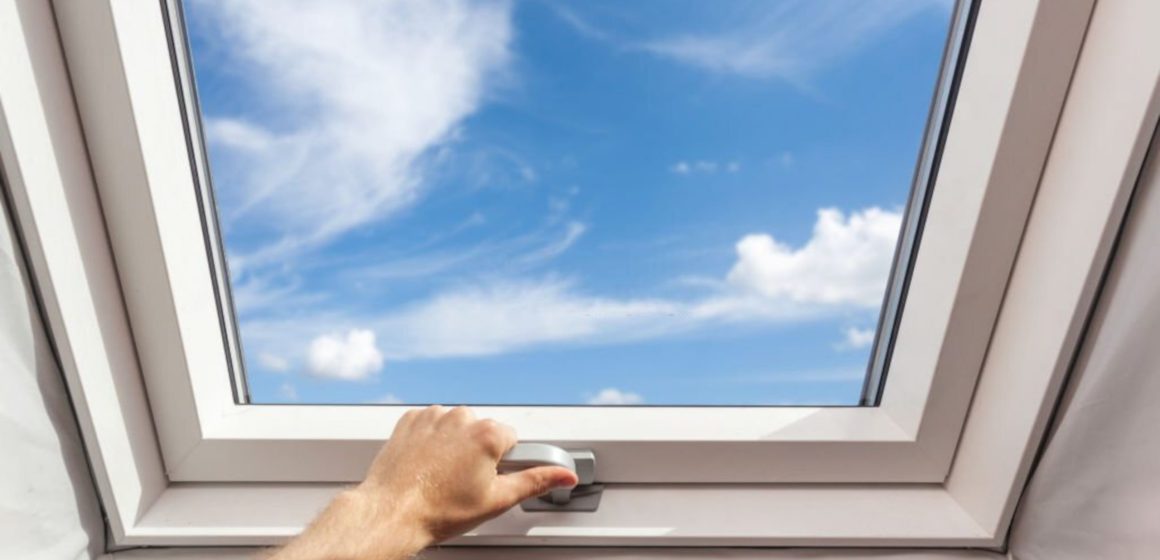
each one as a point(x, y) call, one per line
point(653, 202)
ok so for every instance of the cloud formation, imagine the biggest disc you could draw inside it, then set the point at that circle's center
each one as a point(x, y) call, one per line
point(790, 40)
point(614, 396)
point(845, 262)
point(366, 91)
point(856, 339)
point(505, 316)
point(350, 357)
point(707, 167)
point(842, 269)
point(273, 362)
point(288, 392)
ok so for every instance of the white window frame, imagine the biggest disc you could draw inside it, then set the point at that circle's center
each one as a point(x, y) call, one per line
point(149, 176)
point(1015, 245)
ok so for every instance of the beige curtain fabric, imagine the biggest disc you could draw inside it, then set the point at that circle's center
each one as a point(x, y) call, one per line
point(1096, 491)
point(48, 508)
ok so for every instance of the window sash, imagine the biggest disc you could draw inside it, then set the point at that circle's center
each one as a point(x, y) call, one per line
point(1062, 256)
point(147, 175)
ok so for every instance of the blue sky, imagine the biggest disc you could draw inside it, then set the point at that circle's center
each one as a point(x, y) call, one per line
point(533, 202)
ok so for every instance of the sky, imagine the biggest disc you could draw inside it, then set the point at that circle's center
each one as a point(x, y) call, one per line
point(656, 202)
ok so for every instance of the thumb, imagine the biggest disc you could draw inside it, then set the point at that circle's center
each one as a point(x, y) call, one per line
point(516, 487)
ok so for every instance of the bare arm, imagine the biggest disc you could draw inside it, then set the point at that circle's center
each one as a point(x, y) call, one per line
point(436, 478)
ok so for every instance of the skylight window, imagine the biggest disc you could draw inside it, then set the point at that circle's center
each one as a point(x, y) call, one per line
point(608, 203)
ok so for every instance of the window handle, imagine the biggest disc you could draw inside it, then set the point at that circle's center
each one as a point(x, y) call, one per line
point(584, 497)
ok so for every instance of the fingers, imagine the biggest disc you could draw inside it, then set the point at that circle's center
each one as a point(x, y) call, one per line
point(430, 415)
point(456, 417)
point(406, 420)
point(495, 438)
point(416, 419)
point(511, 489)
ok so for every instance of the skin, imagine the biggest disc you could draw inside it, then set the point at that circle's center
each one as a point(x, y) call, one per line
point(434, 479)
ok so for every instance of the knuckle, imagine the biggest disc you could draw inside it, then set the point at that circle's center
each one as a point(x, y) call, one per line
point(406, 419)
point(486, 428)
point(489, 433)
point(539, 483)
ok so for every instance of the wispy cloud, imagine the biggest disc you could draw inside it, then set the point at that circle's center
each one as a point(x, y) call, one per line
point(572, 233)
point(842, 268)
point(503, 317)
point(615, 397)
point(510, 255)
point(811, 376)
point(856, 339)
point(389, 398)
point(580, 24)
point(708, 167)
point(789, 40)
point(366, 92)
point(273, 362)
point(287, 392)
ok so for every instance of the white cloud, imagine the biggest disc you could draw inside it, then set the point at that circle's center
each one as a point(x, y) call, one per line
point(707, 167)
point(237, 134)
point(252, 293)
point(579, 24)
point(789, 41)
point(287, 392)
point(845, 262)
point(572, 233)
point(843, 266)
point(501, 317)
point(388, 398)
point(505, 256)
point(352, 357)
point(614, 396)
point(855, 338)
point(273, 362)
point(364, 90)
point(791, 377)
point(841, 269)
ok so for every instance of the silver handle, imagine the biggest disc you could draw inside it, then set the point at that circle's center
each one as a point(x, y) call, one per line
point(528, 455)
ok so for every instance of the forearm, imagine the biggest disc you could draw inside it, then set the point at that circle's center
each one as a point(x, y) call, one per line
point(435, 478)
point(356, 527)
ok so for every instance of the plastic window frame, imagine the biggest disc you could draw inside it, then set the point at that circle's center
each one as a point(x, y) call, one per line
point(132, 87)
point(114, 240)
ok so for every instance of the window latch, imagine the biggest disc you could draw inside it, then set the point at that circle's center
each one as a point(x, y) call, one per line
point(585, 496)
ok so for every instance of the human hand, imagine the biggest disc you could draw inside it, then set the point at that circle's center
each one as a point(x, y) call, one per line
point(439, 469)
point(436, 478)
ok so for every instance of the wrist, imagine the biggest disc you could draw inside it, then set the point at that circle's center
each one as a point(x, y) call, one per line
point(387, 523)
